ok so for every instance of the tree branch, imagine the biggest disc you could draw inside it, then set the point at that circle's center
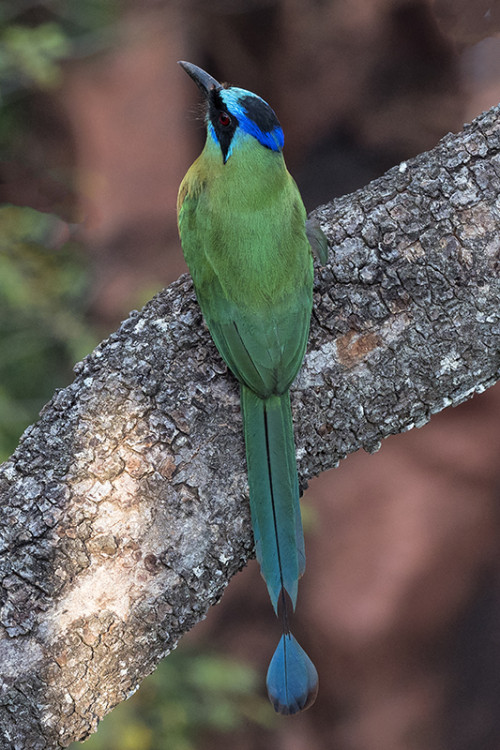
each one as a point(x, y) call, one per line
point(124, 509)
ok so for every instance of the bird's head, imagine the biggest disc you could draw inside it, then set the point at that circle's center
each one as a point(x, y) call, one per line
point(235, 115)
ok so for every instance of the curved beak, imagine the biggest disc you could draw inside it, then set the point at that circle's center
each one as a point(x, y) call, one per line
point(203, 80)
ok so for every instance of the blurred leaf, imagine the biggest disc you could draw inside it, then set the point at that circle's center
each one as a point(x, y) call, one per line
point(310, 517)
point(32, 54)
point(35, 37)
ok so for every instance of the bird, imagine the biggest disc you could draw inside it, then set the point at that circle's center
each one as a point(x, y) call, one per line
point(248, 245)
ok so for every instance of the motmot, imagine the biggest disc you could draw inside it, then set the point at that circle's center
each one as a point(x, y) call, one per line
point(247, 243)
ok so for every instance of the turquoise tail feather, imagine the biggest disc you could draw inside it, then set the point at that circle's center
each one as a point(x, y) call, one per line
point(292, 680)
point(274, 492)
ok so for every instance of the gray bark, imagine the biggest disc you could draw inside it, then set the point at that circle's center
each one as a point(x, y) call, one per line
point(124, 509)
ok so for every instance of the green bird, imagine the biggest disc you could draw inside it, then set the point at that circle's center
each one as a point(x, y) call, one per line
point(246, 242)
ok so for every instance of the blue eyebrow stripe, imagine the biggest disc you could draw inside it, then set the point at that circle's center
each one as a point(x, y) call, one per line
point(255, 117)
point(273, 139)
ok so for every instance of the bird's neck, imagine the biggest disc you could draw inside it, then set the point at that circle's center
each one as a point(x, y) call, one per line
point(254, 171)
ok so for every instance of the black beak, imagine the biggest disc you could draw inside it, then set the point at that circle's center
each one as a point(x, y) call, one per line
point(203, 80)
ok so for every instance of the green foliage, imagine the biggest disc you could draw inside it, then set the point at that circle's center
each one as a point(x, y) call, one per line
point(190, 693)
point(42, 284)
point(31, 55)
point(31, 49)
point(42, 326)
point(35, 38)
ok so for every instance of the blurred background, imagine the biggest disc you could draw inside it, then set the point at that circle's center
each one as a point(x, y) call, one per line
point(400, 605)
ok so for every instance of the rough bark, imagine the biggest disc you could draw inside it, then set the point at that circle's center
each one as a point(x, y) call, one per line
point(124, 509)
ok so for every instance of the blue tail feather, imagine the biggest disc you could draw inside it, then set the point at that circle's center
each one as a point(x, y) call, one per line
point(292, 679)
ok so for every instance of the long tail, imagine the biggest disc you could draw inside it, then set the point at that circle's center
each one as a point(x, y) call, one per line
point(292, 680)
